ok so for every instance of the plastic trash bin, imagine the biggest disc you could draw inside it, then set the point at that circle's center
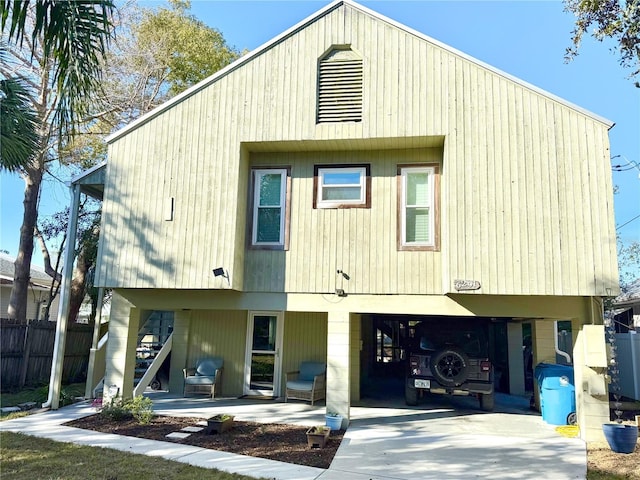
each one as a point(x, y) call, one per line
point(557, 393)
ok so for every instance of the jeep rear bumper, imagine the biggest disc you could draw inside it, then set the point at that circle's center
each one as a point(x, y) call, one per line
point(432, 385)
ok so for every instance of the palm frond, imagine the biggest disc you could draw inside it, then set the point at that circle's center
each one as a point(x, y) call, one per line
point(75, 34)
point(19, 139)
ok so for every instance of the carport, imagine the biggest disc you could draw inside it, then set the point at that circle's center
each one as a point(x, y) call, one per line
point(385, 339)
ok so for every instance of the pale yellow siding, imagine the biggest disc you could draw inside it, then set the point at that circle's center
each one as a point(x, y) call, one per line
point(359, 241)
point(526, 196)
point(305, 339)
point(220, 334)
point(223, 333)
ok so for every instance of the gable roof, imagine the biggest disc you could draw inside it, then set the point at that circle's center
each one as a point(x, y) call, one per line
point(630, 297)
point(314, 17)
point(38, 277)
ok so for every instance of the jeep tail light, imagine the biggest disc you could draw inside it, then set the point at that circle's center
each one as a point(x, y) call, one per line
point(485, 365)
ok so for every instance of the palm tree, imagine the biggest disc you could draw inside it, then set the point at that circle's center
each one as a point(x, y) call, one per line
point(69, 41)
point(18, 125)
point(74, 34)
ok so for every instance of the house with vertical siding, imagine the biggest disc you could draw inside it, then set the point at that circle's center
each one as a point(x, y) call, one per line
point(39, 290)
point(315, 199)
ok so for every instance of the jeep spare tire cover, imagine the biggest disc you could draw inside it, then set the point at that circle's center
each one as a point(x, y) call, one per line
point(450, 366)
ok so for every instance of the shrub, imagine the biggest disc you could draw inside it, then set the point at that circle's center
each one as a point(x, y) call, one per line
point(66, 398)
point(116, 410)
point(141, 408)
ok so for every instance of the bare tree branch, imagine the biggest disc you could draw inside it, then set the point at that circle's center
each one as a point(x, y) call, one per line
point(47, 258)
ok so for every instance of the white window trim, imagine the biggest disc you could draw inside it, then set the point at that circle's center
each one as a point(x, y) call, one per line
point(257, 175)
point(430, 205)
point(320, 203)
point(277, 366)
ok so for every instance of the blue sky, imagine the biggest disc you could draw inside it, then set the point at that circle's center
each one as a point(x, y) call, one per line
point(524, 39)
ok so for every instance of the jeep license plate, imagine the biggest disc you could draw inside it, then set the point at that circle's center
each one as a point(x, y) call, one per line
point(422, 383)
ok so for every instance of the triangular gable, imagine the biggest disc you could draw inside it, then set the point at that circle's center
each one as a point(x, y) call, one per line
point(313, 18)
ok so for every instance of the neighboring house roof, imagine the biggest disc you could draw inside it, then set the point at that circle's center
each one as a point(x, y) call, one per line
point(630, 297)
point(38, 276)
point(296, 28)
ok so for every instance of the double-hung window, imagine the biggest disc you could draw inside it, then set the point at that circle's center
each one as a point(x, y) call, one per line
point(269, 207)
point(342, 186)
point(417, 210)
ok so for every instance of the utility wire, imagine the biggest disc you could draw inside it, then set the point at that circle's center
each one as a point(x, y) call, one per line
point(628, 222)
point(623, 168)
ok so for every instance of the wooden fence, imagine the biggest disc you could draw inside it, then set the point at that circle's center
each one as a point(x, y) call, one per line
point(26, 353)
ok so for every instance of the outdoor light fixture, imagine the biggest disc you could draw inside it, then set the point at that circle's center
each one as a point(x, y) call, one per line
point(221, 272)
point(344, 274)
point(113, 391)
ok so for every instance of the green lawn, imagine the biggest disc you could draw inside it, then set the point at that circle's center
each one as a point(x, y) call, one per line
point(23, 457)
point(38, 395)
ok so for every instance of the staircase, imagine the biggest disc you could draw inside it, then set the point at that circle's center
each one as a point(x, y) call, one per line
point(156, 330)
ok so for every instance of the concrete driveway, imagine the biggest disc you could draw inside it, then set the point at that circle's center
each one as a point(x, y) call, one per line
point(449, 438)
point(440, 439)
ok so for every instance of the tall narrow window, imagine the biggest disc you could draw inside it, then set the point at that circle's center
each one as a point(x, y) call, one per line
point(340, 86)
point(269, 207)
point(417, 213)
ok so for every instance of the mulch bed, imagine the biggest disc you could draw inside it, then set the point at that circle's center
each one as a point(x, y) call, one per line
point(285, 443)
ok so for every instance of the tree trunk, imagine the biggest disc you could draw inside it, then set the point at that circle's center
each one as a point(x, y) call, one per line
point(78, 283)
point(20, 290)
point(55, 285)
point(32, 178)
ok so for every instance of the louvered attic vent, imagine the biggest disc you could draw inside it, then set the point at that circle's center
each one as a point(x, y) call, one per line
point(340, 87)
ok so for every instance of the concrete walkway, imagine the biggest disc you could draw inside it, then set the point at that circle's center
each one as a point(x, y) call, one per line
point(383, 442)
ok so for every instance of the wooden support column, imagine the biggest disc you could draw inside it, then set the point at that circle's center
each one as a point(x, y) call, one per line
point(121, 349)
point(338, 365)
point(57, 362)
point(180, 350)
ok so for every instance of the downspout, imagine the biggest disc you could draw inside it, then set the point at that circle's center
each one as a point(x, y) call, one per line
point(57, 363)
point(557, 347)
